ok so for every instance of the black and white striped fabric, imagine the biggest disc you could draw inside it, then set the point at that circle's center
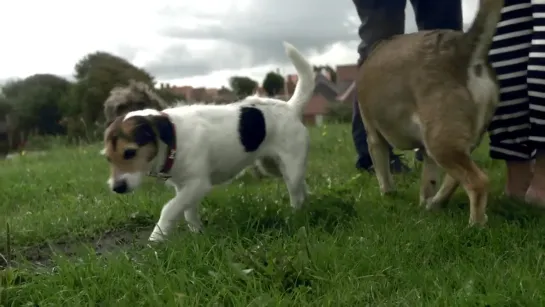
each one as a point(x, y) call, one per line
point(518, 56)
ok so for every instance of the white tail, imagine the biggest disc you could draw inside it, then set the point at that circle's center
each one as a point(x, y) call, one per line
point(305, 84)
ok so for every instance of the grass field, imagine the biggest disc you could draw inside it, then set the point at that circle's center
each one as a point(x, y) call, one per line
point(348, 247)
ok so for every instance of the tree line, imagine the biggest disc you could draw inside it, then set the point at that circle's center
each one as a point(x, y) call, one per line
point(48, 104)
point(45, 104)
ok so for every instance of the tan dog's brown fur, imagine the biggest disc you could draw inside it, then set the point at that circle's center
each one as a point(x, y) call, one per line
point(433, 90)
point(139, 134)
point(135, 96)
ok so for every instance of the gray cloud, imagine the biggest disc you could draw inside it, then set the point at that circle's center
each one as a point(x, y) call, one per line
point(177, 61)
point(254, 36)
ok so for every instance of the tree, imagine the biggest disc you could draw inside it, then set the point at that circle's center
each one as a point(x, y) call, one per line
point(35, 101)
point(97, 74)
point(5, 106)
point(273, 84)
point(242, 86)
point(111, 63)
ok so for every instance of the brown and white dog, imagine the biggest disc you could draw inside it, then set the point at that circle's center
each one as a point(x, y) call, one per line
point(199, 146)
point(433, 90)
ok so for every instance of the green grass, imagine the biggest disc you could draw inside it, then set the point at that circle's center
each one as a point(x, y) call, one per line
point(348, 247)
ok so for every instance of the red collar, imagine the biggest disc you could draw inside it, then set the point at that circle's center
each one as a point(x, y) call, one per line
point(171, 154)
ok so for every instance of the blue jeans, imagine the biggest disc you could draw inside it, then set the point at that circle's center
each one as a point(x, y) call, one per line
point(381, 19)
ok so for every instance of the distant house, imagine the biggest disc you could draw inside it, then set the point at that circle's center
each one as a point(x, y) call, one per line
point(317, 108)
point(204, 95)
point(185, 91)
point(199, 94)
point(326, 92)
point(225, 95)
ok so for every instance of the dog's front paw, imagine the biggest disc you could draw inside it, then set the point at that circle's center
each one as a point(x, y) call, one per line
point(195, 229)
point(156, 237)
point(432, 204)
point(423, 201)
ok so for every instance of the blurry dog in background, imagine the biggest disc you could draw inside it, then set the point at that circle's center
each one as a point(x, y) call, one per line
point(135, 96)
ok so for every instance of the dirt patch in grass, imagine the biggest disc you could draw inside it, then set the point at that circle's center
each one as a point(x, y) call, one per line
point(43, 254)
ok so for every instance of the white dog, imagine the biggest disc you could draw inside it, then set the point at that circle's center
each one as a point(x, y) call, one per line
point(198, 146)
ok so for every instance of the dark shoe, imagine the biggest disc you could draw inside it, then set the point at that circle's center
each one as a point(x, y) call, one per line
point(418, 155)
point(364, 164)
point(396, 166)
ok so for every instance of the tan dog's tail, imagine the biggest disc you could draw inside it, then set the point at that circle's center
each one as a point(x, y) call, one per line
point(480, 34)
point(305, 84)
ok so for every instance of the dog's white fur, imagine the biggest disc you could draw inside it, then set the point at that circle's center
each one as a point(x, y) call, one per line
point(209, 151)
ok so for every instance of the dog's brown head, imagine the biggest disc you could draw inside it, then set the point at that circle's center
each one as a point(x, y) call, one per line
point(132, 143)
point(135, 96)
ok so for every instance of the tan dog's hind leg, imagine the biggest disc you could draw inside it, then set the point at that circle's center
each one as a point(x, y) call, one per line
point(429, 181)
point(446, 190)
point(378, 149)
point(460, 167)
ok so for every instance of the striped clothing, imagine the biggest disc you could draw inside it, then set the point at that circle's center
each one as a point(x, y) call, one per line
point(517, 54)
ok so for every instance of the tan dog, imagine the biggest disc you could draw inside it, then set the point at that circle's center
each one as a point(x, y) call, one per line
point(433, 90)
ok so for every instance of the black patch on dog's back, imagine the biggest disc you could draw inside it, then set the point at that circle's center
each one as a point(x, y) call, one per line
point(251, 128)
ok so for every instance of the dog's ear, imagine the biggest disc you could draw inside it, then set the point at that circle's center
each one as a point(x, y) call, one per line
point(150, 128)
point(143, 132)
point(164, 128)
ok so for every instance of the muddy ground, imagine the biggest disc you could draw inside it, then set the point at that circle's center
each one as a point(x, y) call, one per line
point(42, 254)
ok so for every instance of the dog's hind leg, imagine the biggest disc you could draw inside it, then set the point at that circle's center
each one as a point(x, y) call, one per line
point(380, 155)
point(429, 181)
point(460, 167)
point(268, 166)
point(448, 186)
point(293, 167)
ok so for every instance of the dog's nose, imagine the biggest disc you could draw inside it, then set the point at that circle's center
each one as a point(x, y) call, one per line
point(120, 187)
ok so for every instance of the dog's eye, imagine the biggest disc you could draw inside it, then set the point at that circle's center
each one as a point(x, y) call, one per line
point(129, 154)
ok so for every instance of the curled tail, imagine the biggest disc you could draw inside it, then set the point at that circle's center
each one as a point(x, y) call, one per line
point(305, 85)
point(480, 34)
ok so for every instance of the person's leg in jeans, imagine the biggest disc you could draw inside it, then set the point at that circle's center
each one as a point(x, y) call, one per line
point(435, 14)
point(536, 94)
point(380, 19)
point(510, 126)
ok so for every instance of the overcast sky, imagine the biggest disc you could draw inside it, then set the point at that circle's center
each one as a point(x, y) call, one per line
point(198, 43)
